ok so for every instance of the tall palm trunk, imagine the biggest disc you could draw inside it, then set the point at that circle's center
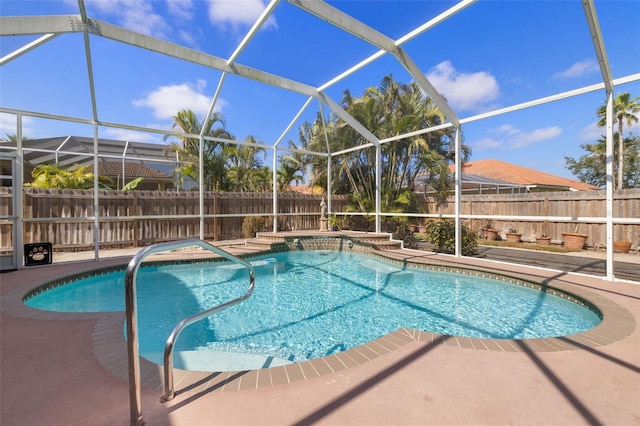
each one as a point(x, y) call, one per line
point(620, 152)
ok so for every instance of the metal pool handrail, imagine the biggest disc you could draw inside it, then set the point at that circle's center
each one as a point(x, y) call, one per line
point(135, 398)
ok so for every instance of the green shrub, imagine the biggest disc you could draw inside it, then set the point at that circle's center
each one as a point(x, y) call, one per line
point(283, 224)
point(253, 224)
point(360, 223)
point(391, 224)
point(403, 233)
point(442, 234)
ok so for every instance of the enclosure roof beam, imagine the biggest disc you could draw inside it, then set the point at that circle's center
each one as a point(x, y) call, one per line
point(48, 116)
point(417, 132)
point(426, 86)
point(345, 22)
point(354, 148)
point(171, 49)
point(27, 48)
point(87, 25)
point(407, 37)
point(357, 126)
point(398, 137)
point(266, 13)
point(31, 25)
point(357, 28)
point(598, 43)
point(559, 96)
point(353, 69)
point(243, 44)
point(435, 21)
point(293, 121)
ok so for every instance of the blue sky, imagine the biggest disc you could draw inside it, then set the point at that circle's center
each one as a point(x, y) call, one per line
point(491, 55)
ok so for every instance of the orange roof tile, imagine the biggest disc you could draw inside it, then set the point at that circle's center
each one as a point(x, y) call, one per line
point(306, 189)
point(114, 168)
point(507, 172)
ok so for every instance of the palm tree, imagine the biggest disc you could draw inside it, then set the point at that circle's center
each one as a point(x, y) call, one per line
point(289, 171)
point(187, 148)
point(50, 176)
point(12, 137)
point(625, 110)
point(388, 110)
point(244, 166)
point(591, 167)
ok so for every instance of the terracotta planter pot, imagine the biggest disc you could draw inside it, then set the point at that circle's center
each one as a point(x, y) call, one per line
point(413, 228)
point(621, 246)
point(574, 240)
point(512, 237)
point(490, 234)
point(543, 241)
point(422, 229)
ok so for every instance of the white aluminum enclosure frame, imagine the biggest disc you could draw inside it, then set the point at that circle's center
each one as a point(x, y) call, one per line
point(50, 27)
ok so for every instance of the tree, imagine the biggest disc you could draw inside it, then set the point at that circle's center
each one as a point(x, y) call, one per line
point(12, 137)
point(226, 166)
point(289, 171)
point(624, 111)
point(389, 110)
point(591, 167)
point(245, 171)
point(187, 148)
point(50, 176)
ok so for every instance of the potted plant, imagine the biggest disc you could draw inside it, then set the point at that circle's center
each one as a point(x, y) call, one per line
point(513, 236)
point(334, 223)
point(574, 240)
point(422, 228)
point(620, 246)
point(543, 239)
point(489, 232)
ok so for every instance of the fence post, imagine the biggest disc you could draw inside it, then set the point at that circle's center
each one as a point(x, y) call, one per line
point(215, 218)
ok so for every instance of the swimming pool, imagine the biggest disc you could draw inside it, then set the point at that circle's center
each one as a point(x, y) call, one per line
point(311, 304)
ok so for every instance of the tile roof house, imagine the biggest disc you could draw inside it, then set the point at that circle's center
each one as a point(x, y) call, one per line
point(146, 160)
point(152, 179)
point(533, 180)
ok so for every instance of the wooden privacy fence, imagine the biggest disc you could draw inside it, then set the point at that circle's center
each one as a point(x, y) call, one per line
point(135, 218)
point(578, 204)
point(139, 218)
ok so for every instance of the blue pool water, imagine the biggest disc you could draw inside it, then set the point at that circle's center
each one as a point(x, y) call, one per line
point(314, 303)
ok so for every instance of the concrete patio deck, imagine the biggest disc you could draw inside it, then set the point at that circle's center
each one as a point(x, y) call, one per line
point(51, 372)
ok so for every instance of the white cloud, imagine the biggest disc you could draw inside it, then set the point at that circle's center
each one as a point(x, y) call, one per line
point(8, 126)
point(166, 101)
point(470, 92)
point(519, 140)
point(505, 129)
point(486, 143)
point(186, 37)
point(181, 9)
point(132, 135)
point(136, 15)
point(578, 69)
point(593, 132)
point(510, 137)
point(238, 13)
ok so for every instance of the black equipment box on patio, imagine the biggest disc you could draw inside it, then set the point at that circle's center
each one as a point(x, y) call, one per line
point(38, 254)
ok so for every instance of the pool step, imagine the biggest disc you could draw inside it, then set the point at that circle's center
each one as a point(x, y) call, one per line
point(218, 360)
point(323, 240)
